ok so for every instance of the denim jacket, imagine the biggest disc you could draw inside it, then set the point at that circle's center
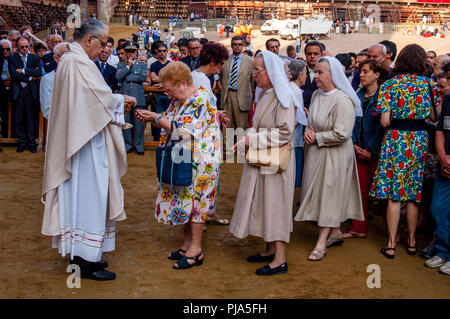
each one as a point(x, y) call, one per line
point(373, 131)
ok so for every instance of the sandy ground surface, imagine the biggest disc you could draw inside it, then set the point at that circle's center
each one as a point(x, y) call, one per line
point(32, 269)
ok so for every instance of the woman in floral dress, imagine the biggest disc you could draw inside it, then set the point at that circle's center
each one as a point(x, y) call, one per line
point(405, 101)
point(194, 110)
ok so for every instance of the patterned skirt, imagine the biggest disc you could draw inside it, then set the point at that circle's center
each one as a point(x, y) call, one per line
point(400, 172)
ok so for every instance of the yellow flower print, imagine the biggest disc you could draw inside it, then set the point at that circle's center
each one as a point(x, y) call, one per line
point(202, 183)
point(187, 119)
point(166, 195)
point(207, 134)
point(216, 144)
point(162, 139)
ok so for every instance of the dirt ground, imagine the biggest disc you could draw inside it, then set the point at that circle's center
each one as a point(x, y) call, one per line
point(335, 44)
point(32, 269)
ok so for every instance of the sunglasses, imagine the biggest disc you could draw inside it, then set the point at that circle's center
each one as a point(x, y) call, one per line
point(162, 50)
point(7, 49)
point(24, 46)
point(238, 44)
point(4, 37)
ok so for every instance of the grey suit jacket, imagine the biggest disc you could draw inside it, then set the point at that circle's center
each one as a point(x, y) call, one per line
point(132, 79)
point(246, 84)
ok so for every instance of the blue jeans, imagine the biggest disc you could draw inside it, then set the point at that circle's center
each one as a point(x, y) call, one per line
point(161, 106)
point(298, 166)
point(440, 208)
point(138, 128)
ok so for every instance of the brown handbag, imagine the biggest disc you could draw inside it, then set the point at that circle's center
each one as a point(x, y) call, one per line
point(271, 156)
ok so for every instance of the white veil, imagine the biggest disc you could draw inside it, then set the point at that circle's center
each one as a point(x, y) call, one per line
point(341, 82)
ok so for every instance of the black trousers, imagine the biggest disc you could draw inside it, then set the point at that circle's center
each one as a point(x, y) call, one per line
point(27, 118)
point(86, 267)
point(4, 108)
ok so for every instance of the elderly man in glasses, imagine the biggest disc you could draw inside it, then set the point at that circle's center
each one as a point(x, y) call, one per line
point(25, 70)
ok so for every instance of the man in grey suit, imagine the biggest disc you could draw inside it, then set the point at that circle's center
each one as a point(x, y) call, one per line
point(237, 82)
point(132, 74)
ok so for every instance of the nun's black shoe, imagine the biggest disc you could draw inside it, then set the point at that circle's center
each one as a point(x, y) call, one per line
point(267, 271)
point(258, 258)
point(100, 275)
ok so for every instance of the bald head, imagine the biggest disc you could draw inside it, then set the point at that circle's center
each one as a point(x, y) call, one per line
point(439, 62)
point(53, 40)
point(59, 50)
point(377, 52)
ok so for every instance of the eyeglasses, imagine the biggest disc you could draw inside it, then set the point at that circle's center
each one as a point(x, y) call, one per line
point(274, 47)
point(24, 47)
point(238, 44)
point(102, 43)
point(4, 37)
point(162, 50)
point(7, 49)
point(194, 48)
point(255, 71)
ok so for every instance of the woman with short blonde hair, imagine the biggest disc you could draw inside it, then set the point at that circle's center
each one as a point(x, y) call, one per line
point(194, 112)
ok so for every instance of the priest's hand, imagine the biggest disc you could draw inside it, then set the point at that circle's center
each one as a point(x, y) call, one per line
point(309, 136)
point(129, 99)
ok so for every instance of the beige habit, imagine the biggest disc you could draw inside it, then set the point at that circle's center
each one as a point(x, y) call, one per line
point(264, 202)
point(330, 188)
point(82, 106)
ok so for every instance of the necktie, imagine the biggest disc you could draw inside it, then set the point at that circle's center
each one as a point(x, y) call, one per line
point(233, 80)
point(102, 66)
point(24, 60)
point(193, 62)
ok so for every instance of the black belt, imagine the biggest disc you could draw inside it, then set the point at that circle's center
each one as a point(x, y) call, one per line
point(230, 89)
point(408, 125)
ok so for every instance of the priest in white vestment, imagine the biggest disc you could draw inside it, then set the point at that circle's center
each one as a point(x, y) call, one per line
point(85, 156)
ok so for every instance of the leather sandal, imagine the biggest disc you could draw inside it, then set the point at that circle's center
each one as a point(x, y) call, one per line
point(217, 221)
point(408, 247)
point(177, 254)
point(319, 253)
point(334, 241)
point(384, 252)
point(183, 262)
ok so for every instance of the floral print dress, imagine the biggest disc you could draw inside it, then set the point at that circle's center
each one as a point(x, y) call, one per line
point(176, 205)
point(399, 175)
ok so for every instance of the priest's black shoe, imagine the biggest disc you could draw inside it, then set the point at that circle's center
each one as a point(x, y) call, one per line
point(258, 258)
point(140, 153)
point(20, 149)
point(102, 264)
point(33, 149)
point(100, 275)
point(267, 271)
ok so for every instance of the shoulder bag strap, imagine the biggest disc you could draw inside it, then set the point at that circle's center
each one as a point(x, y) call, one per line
point(265, 111)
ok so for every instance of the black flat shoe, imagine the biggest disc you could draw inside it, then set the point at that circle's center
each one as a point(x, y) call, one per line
point(176, 254)
point(267, 271)
point(258, 258)
point(384, 252)
point(20, 149)
point(33, 149)
point(140, 153)
point(100, 275)
point(102, 264)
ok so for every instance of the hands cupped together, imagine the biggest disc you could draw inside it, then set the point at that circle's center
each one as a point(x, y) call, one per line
point(309, 136)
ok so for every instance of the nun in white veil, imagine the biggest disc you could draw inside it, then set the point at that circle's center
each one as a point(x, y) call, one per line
point(264, 201)
point(330, 188)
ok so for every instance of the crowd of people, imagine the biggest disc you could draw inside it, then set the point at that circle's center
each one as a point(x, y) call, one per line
point(347, 128)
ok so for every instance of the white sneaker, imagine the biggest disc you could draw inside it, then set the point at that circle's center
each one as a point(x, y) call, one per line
point(445, 268)
point(435, 262)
